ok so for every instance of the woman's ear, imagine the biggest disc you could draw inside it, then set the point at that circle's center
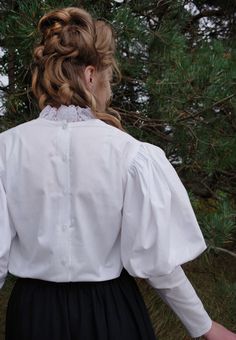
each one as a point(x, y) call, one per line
point(89, 74)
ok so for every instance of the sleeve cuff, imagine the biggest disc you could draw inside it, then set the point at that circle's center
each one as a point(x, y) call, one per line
point(184, 301)
point(197, 333)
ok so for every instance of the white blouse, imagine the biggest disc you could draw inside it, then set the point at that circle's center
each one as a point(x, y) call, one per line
point(80, 200)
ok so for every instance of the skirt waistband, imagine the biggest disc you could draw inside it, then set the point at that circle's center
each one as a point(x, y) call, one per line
point(124, 275)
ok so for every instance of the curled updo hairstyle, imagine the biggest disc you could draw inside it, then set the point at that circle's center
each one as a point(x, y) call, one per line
point(71, 40)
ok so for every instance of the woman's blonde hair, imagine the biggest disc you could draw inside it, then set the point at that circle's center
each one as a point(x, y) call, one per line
point(71, 40)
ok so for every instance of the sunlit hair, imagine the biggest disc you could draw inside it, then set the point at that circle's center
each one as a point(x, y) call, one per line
point(71, 40)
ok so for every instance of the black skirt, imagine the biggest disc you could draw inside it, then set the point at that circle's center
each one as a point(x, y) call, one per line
point(105, 310)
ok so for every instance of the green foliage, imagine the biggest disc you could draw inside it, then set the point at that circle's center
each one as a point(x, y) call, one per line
point(217, 220)
point(227, 290)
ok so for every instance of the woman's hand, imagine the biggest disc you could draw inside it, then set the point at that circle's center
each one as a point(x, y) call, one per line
point(219, 332)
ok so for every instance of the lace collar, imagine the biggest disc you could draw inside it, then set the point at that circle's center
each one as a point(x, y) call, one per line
point(69, 113)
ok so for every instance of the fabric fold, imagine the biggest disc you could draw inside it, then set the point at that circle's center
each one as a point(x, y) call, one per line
point(159, 228)
point(7, 234)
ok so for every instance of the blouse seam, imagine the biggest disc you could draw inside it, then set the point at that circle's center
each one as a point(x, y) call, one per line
point(133, 160)
point(84, 123)
point(7, 159)
point(12, 149)
point(126, 170)
point(138, 152)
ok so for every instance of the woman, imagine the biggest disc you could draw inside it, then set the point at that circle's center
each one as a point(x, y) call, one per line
point(91, 207)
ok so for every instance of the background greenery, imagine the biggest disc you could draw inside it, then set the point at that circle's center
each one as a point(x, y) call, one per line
point(178, 91)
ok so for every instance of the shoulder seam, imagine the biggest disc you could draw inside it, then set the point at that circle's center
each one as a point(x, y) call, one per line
point(8, 157)
point(129, 167)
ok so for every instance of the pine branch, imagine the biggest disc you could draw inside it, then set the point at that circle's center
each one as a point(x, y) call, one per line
point(192, 116)
point(225, 251)
point(208, 13)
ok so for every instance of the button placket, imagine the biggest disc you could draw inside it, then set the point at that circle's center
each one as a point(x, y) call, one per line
point(64, 125)
point(64, 143)
point(64, 150)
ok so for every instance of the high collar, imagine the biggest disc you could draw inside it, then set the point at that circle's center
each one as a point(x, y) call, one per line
point(69, 113)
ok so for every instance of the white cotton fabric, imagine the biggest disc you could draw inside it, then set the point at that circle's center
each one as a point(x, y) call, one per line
point(176, 291)
point(163, 232)
point(81, 199)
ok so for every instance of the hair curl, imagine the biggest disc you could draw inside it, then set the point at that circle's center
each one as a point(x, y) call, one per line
point(71, 40)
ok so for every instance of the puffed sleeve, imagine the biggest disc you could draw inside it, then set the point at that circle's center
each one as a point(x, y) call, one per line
point(159, 229)
point(6, 234)
point(160, 232)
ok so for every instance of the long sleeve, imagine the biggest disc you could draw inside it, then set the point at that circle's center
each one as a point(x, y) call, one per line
point(178, 293)
point(6, 234)
point(159, 229)
point(160, 232)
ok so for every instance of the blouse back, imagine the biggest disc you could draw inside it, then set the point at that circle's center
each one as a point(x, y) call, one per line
point(80, 200)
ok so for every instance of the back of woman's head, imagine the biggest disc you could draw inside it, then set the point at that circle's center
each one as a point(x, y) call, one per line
point(71, 40)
